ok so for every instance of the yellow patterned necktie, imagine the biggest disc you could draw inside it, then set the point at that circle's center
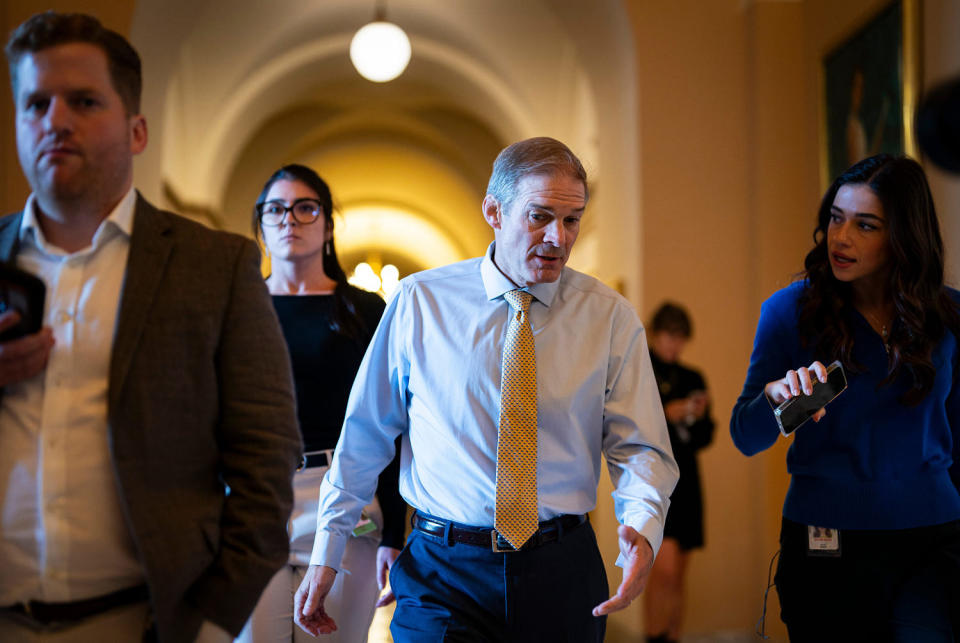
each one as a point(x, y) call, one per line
point(515, 516)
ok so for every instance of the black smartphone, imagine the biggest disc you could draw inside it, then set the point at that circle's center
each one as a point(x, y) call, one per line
point(25, 293)
point(797, 410)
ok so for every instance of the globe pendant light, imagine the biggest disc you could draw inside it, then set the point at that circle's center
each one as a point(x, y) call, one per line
point(380, 50)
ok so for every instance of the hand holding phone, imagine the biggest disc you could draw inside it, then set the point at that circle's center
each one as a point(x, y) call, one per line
point(698, 402)
point(795, 382)
point(24, 344)
point(24, 293)
point(804, 393)
point(22, 358)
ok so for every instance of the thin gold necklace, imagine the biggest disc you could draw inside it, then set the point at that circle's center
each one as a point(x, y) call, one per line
point(884, 333)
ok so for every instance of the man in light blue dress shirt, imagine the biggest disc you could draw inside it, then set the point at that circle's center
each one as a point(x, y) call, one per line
point(432, 375)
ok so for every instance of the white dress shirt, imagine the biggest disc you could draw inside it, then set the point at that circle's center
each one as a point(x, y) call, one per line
point(432, 374)
point(63, 535)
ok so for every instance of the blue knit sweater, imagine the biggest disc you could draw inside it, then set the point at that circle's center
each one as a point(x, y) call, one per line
point(871, 462)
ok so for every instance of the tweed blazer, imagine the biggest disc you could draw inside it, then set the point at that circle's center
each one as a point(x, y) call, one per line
point(202, 421)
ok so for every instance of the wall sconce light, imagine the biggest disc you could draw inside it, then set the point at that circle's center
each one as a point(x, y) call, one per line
point(365, 277)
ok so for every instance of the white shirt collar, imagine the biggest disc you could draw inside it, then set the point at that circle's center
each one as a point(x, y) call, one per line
point(495, 283)
point(120, 220)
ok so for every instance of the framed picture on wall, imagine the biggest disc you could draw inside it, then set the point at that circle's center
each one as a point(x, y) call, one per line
point(870, 85)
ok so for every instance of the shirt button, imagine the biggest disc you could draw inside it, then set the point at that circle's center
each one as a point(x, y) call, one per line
point(63, 317)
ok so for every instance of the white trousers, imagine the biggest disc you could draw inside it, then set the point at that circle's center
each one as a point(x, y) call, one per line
point(353, 597)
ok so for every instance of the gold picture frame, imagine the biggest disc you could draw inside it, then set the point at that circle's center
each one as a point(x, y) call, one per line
point(870, 84)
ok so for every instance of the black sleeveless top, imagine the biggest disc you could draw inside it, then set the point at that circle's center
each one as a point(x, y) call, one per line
point(325, 363)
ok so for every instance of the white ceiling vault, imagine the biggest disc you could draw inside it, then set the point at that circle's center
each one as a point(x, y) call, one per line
point(235, 88)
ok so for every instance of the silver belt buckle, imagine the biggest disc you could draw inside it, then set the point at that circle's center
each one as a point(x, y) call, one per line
point(507, 548)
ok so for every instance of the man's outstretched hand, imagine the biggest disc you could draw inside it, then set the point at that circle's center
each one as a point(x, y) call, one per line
point(308, 610)
point(639, 561)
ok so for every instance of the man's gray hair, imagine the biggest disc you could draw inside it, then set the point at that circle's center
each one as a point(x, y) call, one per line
point(539, 155)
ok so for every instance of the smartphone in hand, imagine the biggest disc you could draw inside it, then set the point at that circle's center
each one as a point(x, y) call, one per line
point(25, 293)
point(792, 413)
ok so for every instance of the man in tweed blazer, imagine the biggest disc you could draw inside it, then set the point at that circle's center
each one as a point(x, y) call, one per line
point(148, 432)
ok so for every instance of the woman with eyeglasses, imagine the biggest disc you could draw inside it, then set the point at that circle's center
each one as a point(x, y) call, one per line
point(870, 535)
point(327, 324)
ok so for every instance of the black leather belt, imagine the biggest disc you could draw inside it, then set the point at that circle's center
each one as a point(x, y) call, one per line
point(549, 531)
point(64, 613)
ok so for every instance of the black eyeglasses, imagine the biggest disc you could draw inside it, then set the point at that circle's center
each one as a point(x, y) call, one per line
point(303, 211)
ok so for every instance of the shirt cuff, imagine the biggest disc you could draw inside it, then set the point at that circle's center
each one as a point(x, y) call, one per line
point(328, 549)
point(652, 530)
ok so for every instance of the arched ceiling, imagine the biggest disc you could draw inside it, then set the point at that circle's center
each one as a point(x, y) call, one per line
point(237, 88)
point(243, 62)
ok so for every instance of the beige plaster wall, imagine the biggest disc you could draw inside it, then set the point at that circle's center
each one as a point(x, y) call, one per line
point(721, 206)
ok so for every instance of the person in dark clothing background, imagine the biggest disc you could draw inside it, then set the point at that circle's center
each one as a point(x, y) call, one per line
point(686, 406)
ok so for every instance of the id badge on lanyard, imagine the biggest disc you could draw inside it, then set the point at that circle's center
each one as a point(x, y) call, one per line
point(823, 541)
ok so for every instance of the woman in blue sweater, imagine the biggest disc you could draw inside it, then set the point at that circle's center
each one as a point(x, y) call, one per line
point(870, 538)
